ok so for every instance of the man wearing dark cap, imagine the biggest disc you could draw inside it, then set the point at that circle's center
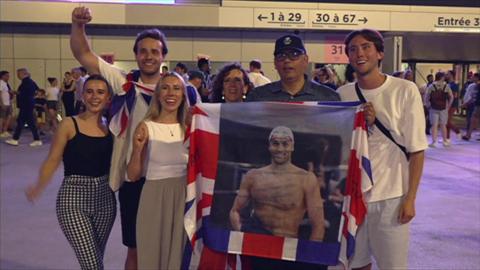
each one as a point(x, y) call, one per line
point(291, 62)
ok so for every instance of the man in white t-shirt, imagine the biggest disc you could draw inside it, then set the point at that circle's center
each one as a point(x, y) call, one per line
point(255, 74)
point(438, 100)
point(391, 200)
point(150, 48)
point(5, 104)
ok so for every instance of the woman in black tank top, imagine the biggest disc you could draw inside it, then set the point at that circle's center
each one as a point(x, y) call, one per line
point(86, 205)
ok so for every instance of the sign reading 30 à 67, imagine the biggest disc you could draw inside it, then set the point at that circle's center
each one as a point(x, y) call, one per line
point(347, 20)
point(320, 19)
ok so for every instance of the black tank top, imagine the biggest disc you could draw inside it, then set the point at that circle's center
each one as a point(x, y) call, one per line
point(87, 155)
point(67, 86)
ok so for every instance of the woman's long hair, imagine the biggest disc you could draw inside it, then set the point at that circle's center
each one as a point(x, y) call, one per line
point(156, 107)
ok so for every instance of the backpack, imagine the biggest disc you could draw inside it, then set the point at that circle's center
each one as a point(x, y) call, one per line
point(438, 98)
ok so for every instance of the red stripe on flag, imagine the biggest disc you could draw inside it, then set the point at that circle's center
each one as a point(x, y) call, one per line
point(360, 121)
point(205, 202)
point(232, 261)
point(197, 110)
point(263, 245)
point(353, 187)
point(123, 122)
point(204, 151)
point(212, 260)
point(345, 225)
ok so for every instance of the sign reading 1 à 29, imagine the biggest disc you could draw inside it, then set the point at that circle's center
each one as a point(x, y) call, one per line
point(318, 19)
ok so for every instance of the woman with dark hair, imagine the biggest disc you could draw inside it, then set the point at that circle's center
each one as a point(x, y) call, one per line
point(86, 205)
point(231, 84)
point(68, 94)
point(52, 102)
point(160, 155)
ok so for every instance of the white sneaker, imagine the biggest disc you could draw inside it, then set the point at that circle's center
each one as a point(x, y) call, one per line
point(12, 142)
point(446, 143)
point(5, 134)
point(433, 144)
point(36, 143)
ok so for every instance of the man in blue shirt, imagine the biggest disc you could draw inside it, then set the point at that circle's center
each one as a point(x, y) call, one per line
point(26, 103)
point(291, 63)
point(450, 78)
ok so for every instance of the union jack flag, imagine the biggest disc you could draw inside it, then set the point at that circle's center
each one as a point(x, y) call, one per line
point(211, 247)
point(122, 104)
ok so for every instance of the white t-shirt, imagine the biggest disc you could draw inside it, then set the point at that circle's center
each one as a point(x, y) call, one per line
point(258, 79)
point(167, 155)
point(52, 93)
point(398, 106)
point(4, 95)
point(122, 148)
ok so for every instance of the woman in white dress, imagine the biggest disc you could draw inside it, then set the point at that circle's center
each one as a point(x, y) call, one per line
point(158, 150)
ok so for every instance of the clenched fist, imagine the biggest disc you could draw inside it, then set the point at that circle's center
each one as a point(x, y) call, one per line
point(369, 113)
point(140, 138)
point(81, 15)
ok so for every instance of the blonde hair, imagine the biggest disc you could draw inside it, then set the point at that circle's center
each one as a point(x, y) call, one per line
point(156, 107)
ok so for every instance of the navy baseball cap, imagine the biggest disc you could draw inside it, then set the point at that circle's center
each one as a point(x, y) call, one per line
point(289, 42)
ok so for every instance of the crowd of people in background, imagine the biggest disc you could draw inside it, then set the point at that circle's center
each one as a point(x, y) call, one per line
point(64, 99)
point(39, 108)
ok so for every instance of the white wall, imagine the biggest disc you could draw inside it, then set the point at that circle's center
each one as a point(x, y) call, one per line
point(50, 55)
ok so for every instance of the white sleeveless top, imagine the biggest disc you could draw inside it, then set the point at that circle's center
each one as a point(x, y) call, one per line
point(166, 154)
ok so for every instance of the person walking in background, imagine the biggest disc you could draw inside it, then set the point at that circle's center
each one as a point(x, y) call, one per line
point(86, 206)
point(438, 100)
point(182, 70)
point(5, 104)
point(52, 102)
point(231, 84)
point(472, 104)
point(26, 104)
point(68, 94)
point(159, 150)
point(450, 79)
point(423, 91)
point(204, 66)
point(41, 110)
point(79, 81)
point(255, 74)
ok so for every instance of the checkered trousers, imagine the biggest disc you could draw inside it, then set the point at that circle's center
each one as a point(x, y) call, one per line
point(86, 210)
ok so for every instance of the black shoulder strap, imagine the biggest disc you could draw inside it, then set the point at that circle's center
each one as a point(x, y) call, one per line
point(380, 126)
point(75, 123)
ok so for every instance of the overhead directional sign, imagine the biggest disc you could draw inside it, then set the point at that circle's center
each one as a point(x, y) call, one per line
point(342, 19)
point(281, 18)
point(466, 23)
point(320, 19)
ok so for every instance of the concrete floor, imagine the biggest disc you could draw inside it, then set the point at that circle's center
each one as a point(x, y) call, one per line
point(445, 233)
